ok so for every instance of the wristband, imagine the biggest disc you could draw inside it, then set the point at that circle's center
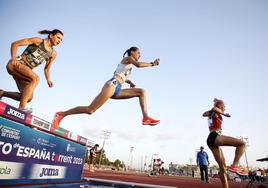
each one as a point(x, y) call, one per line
point(152, 64)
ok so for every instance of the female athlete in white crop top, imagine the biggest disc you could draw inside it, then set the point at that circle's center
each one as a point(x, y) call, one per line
point(20, 67)
point(112, 89)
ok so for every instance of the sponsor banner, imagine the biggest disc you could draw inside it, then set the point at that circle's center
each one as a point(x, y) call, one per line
point(57, 157)
point(9, 132)
point(90, 143)
point(40, 123)
point(73, 136)
point(62, 132)
point(40, 171)
point(15, 113)
point(10, 170)
point(2, 107)
point(83, 140)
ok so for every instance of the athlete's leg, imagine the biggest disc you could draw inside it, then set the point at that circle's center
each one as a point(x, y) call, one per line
point(230, 141)
point(134, 92)
point(21, 84)
point(13, 95)
point(2, 92)
point(22, 72)
point(106, 93)
point(219, 157)
point(91, 166)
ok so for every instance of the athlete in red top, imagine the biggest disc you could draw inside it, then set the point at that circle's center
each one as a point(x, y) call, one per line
point(215, 140)
point(214, 122)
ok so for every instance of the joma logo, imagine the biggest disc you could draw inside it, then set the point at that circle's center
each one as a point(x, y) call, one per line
point(49, 172)
point(17, 114)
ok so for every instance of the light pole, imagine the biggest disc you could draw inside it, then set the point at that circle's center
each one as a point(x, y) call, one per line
point(105, 135)
point(145, 163)
point(129, 163)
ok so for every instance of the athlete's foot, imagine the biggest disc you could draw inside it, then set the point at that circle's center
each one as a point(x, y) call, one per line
point(150, 121)
point(1, 93)
point(57, 119)
point(27, 110)
point(239, 170)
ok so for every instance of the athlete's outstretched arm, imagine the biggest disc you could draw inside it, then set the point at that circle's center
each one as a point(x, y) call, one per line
point(47, 68)
point(140, 64)
point(218, 110)
point(23, 42)
point(207, 113)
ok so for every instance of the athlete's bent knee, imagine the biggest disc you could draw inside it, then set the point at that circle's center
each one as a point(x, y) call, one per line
point(242, 144)
point(142, 92)
point(36, 79)
point(30, 99)
point(90, 111)
point(9, 68)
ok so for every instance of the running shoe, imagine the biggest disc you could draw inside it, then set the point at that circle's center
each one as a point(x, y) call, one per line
point(239, 170)
point(242, 173)
point(150, 121)
point(57, 119)
point(1, 93)
point(27, 110)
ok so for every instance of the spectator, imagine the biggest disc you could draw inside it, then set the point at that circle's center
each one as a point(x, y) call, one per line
point(92, 154)
point(202, 162)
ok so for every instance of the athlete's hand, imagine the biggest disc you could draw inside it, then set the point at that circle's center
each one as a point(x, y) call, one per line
point(227, 115)
point(50, 83)
point(132, 85)
point(156, 62)
point(15, 62)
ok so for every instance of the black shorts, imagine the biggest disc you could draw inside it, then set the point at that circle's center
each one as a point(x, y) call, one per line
point(211, 139)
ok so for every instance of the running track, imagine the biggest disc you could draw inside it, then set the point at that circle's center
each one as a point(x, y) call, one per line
point(174, 181)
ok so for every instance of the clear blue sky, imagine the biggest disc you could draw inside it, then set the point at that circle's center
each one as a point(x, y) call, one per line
point(210, 48)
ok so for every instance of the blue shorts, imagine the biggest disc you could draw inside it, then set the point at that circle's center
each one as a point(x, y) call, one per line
point(118, 85)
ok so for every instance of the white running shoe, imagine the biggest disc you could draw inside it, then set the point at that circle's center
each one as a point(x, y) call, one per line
point(28, 110)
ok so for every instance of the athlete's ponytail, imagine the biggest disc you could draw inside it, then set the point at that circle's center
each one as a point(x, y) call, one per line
point(128, 51)
point(48, 32)
point(217, 102)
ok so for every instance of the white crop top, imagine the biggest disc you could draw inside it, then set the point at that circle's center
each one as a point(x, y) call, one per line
point(123, 70)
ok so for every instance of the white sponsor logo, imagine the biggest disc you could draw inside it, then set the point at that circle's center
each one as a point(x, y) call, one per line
point(16, 113)
point(10, 170)
point(73, 136)
point(83, 140)
point(44, 142)
point(40, 123)
point(6, 148)
point(90, 143)
point(70, 148)
point(23, 151)
point(33, 153)
point(41, 154)
point(40, 171)
point(9, 132)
